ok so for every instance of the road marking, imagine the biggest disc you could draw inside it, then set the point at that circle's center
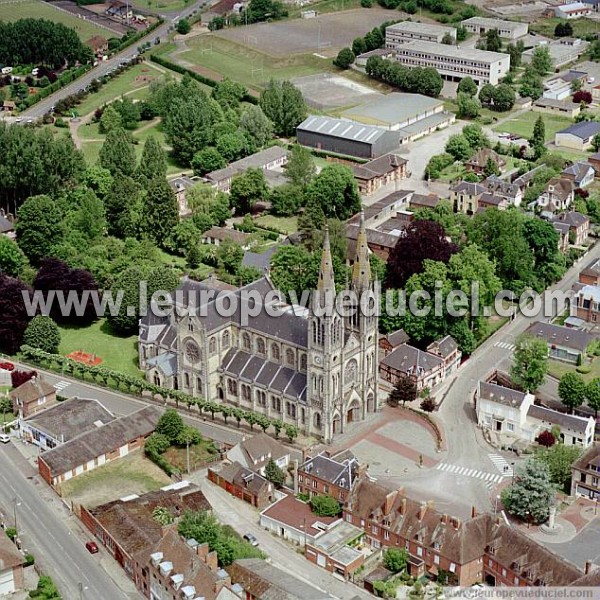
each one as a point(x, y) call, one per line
point(61, 385)
point(501, 464)
point(505, 345)
point(490, 480)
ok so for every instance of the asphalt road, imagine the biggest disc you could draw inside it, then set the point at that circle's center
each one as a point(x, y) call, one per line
point(42, 527)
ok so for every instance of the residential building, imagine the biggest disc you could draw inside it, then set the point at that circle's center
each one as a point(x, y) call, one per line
point(586, 303)
point(217, 235)
point(64, 421)
point(478, 162)
point(525, 181)
point(465, 195)
point(11, 567)
point(558, 195)
point(512, 192)
point(32, 397)
point(387, 342)
point(557, 107)
point(326, 475)
point(344, 137)
point(580, 173)
point(564, 343)
point(379, 172)
point(385, 53)
point(563, 235)
point(9, 106)
point(382, 211)
point(97, 447)
point(489, 200)
point(243, 483)
point(280, 363)
point(269, 160)
point(406, 31)
point(7, 225)
point(119, 10)
point(180, 186)
point(419, 201)
point(261, 580)
point(446, 348)
point(454, 63)
point(426, 369)
point(585, 474)
point(256, 452)
point(594, 160)
point(99, 45)
point(579, 226)
point(129, 532)
point(573, 10)
point(578, 136)
point(510, 30)
point(379, 242)
point(590, 274)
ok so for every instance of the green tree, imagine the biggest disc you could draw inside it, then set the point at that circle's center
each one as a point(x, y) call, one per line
point(247, 189)
point(325, 506)
point(284, 104)
point(503, 97)
point(163, 516)
point(344, 59)
point(153, 162)
point(117, 154)
point(491, 167)
point(395, 559)
point(541, 61)
point(596, 142)
point(486, 94)
point(170, 425)
point(531, 84)
point(127, 284)
point(183, 26)
point(532, 493)
point(286, 200)
point(515, 51)
point(538, 137)
point(559, 458)
point(336, 190)
point(109, 120)
point(157, 443)
point(475, 136)
point(39, 226)
point(123, 206)
point(468, 106)
point(43, 333)
point(162, 278)
point(90, 217)
point(493, 42)
point(189, 436)
point(448, 39)
point(274, 473)
point(592, 395)
point(459, 147)
point(405, 390)
point(530, 363)
point(207, 160)
point(160, 213)
point(294, 268)
point(12, 258)
point(128, 111)
point(232, 146)
point(572, 390)
point(229, 93)
point(300, 168)
point(256, 126)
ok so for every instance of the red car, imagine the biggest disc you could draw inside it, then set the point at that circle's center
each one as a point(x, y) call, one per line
point(92, 547)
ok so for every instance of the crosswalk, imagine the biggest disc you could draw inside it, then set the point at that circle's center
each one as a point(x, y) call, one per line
point(505, 345)
point(61, 385)
point(489, 479)
point(501, 464)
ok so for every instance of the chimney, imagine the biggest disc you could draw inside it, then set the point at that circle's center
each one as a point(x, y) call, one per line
point(473, 512)
point(588, 567)
point(295, 471)
point(212, 561)
point(389, 502)
point(403, 507)
point(456, 522)
point(444, 519)
point(422, 510)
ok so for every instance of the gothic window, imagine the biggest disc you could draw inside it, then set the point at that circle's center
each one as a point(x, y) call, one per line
point(192, 352)
point(275, 352)
point(156, 379)
point(314, 383)
point(186, 379)
point(225, 339)
point(321, 384)
point(199, 385)
point(246, 342)
point(261, 398)
point(190, 326)
point(303, 415)
point(245, 392)
point(318, 332)
point(260, 346)
point(290, 357)
point(276, 403)
point(290, 409)
point(303, 362)
point(232, 386)
point(351, 372)
point(317, 421)
point(212, 345)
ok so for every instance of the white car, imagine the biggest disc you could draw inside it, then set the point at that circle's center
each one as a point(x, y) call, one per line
point(4, 438)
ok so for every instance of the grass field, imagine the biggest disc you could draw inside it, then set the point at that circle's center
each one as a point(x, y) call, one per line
point(199, 454)
point(581, 27)
point(117, 352)
point(522, 125)
point(326, 6)
point(283, 224)
point(458, 170)
point(161, 5)
point(133, 474)
point(558, 368)
point(32, 9)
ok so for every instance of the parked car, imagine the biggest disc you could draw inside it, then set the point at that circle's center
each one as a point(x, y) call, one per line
point(251, 539)
point(92, 547)
point(4, 438)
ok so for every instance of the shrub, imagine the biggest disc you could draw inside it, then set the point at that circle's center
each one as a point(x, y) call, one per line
point(584, 369)
point(29, 560)
point(11, 532)
point(366, 3)
point(428, 405)
point(546, 439)
point(325, 506)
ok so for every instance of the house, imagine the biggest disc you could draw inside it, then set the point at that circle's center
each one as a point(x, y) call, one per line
point(585, 474)
point(594, 160)
point(478, 162)
point(426, 369)
point(11, 567)
point(8, 106)
point(255, 453)
point(420, 201)
point(500, 188)
point(180, 185)
point(129, 532)
point(590, 274)
point(557, 106)
point(574, 10)
point(98, 44)
point(7, 225)
point(580, 173)
point(564, 343)
point(217, 235)
point(389, 341)
point(527, 179)
point(385, 53)
point(465, 195)
point(380, 243)
point(574, 430)
point(510, 30)
point(64, 421)
point(558, 195)
point(578, 136)
point(119, 10)
point(294, 520)
point(32, 396)
point(563, 235)
point(579, 226)
point(328, 475)
point(489, 200)
point(271, 161)
point(562, 51)
point(586, 303)
point(379, 172)
point(261, 580)
point(243, 483)
point(446, 348)
point(383, 210)
point(97, 447)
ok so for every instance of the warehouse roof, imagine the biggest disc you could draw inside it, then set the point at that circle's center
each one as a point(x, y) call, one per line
point(483, 56)
point(493, 23)
point(341, 128)
point(583, 130)
point(427, 28)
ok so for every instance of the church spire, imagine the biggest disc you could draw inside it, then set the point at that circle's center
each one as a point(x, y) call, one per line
point(361, 270)
point(326, 282)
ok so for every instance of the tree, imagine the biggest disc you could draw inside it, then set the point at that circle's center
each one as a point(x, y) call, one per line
point(285, 200)
point(43, 333)
point(123, 206)
point(207, 160)
point(294, 268)
point(284, 104)
point(300, 168)
point(503, 97)
point(582, 97)
point(344, 59)
point(491, 168)
point(189, 436)
point(109, 120)
point(486, 94)
point(541, 61)
point(515, 51)
point(12, 258)
point(395, 559)
point(160, 213)
point(532, 493)
point(325, 506)
point(14, 314)
point(467, 86)
point(559, 458)
point(563, 29)
point(596, 142)
point(117, 154)
point(468, 106)
point(18, 378)
point(170, 425)
point(39, 227)
point(475, 136)
point(128, 111)
point(404, 391)
point(493, 42)
point(247, 189)
point(530, 363)
point(90, 217)
point(459, 147)
point(448, 39)
point(229, 93)
point(538, 137)
point(422, 240)
point(531, 82)
point(183, 26)
point(572, 390)
point(546, 439)
point(153, 162)
point(255, 126)
point(592, 395)
point(335, 189)
point(274, 474)
point(163, 516)
point(127, 284)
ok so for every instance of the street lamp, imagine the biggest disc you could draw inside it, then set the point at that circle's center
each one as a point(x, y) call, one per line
point(512, 464)
point(15, 504)
point(496, 504)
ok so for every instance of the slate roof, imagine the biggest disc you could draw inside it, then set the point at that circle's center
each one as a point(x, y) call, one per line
point(226, 233)
point(32, 390)
point(578, 170)
point(424, 201)
point(560, 188)
point(501, 395)
point(444, 346)
point(259, 160)
point(573, 218)
point(500, 187)
point(379, 238)
point(572, 422)
point(582, 130)
point(491, 199)
point(340, 472)
point(239, 475)
point(395, 338)
point(592, 269)
point(410, 360)
point(469, 188)
point(101, 440)
point(166, 362)
point(590, 457)
point(259, 260)
point(481, 157)
point(561, 336)
point(260, 445)
point(10, 556)
point(378, 167)
point(5, 225)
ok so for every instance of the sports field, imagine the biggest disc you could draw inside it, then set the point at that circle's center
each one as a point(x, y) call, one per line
point(522, 125)
point(33, 9)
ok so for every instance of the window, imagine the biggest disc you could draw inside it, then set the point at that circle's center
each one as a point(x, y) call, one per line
point(290, 410)
point(199, 384)
point(300, 478)
point(190, 326)
point(386, 535)
point(315, 483)
point(436, 559)
point(276, 403)
point(503, 572)
point(374, 530)
point(516, 581)
point(290, 357)
point(510, 426)
point(186, 379)
point(376, 544)
point(362, 523)
point(326, 489)
point(303, 362)
point(452, 568)
point(225, 339)
point(260, 346)
point(246, 341)
point(349, 518)
point(232, 387)
point(275, 352)
point(419, 551)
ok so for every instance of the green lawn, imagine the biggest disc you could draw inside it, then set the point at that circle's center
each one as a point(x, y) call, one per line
point(161, 5)
point(284, 224)
point(581, 27)
point(522, 125)
point(117, 352)
point(13, 11)
point(199, 454)
point(457, 170)
point(558, 368)
point(327, 6)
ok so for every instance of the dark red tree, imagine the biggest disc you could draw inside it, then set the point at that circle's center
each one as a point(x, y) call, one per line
point(57, 275)
point(18, 378)
point(422, 240)
point(546, 439)
point(582, 96)
point(13, 314)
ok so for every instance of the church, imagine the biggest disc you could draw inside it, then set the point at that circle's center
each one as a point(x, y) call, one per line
point(316, 371)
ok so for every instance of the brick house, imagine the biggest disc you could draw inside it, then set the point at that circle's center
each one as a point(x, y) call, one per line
point(585, 474)
point(590, 274)
point(243, 484)
point(478, 162)
point(579, 226)
point(32, 396)
point(563, 235)
point(99, 45)
point(446, 348)
point(11, 567)
point(465, 195)
point(255, 453)
point(587, 303)
point(379, 172)
point(594, 160)
point(328, 475)
point(388, 342)
point(424, 368)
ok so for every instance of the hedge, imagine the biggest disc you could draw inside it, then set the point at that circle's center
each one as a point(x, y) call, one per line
point(127, 40)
